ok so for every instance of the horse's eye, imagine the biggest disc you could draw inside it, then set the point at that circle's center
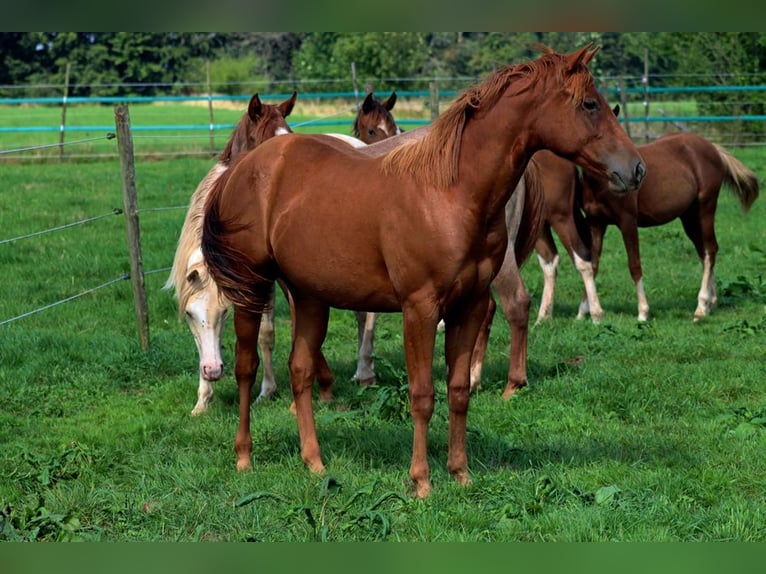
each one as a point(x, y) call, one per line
point(590, 104)
point(371, 132)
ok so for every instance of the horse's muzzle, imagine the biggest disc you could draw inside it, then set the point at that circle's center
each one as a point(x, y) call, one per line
point(623, 183)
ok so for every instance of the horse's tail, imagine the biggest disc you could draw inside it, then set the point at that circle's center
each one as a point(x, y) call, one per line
point(739, 178)
point(532, 218)
point(230, 268)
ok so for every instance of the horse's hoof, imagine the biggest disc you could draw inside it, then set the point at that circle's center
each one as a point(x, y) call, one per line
point(367, 382)
point(325, 395)
point(244, 465)
point(422, 489)
point(293, 409)
point(511, 388)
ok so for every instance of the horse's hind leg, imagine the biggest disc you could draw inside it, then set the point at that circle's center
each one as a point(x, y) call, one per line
point(480, 349)
point(310, 319)
point(246, 327)
point(701, 231)
point(266, 343)
point(365, 366)
point(515, 302)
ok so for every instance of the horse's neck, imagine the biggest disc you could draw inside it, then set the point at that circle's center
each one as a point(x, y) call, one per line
point(497, 149)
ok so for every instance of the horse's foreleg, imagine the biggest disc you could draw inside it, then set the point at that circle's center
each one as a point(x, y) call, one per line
point(309, 330)
point(460, 338)
point(365, 366)
point(597, 232)
point(480, 349)
point(204, 396)
point(246, 327)
point(419, 327)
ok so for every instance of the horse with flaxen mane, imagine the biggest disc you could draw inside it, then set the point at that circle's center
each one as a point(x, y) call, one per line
point(199, 299)
point(425, 237)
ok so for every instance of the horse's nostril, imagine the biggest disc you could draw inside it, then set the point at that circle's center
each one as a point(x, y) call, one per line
point(640, 171)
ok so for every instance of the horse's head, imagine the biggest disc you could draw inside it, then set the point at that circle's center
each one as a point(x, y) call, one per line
point(374, 121)
point(206, 311)
point(260, 123)
point(576, 122)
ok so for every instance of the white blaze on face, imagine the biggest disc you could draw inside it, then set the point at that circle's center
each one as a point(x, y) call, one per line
point(206, 317)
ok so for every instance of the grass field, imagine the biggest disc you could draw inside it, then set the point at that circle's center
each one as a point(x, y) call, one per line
point(627, 431)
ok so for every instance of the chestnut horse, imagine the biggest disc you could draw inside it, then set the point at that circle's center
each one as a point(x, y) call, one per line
point(198, 296)
point(685, 175)
point(426, 236)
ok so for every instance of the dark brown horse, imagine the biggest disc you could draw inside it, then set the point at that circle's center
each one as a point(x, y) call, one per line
point(374, 121)
point(426, 236)
point(563, 215)
point(685, 176)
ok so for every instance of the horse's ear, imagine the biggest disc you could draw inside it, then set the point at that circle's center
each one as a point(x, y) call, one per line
point(287, 106)
point(616, 110)
point(369, 103)
point(193, 276)
point(255, 108)
point(390, 102)
point(580, 57)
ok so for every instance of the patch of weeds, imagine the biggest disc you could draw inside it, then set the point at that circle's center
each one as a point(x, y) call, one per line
point(743, 422)
point(35, 470)
point(744, 288)
point(29, 520)
point(391, 399)
point(362, 517)
point(747, 328)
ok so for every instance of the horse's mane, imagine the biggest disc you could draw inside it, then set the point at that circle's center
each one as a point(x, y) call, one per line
point(191, 236)
point(433, 160)
point(238, 140)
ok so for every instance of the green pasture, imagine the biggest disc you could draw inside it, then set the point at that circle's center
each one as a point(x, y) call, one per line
point(159, 128)
point(627, 431)
point(164, 128)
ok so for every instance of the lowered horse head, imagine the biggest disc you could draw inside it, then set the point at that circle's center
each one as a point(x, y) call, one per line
point(199, 299)
point(374, 121)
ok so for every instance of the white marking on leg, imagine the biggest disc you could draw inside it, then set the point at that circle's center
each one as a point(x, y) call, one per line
point(706, 292)
point(643, 305)
point(590, 303)
point(550, 271)
point(365, 366)
point(204, 396)
point(266, 343)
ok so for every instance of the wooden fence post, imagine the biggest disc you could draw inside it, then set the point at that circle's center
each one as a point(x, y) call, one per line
point(210, 106)
point(128, 173)
point(434, 100)
point(63, 110)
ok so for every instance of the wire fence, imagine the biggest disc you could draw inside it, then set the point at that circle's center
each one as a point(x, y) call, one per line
point(733, 115)
point(730, 115)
